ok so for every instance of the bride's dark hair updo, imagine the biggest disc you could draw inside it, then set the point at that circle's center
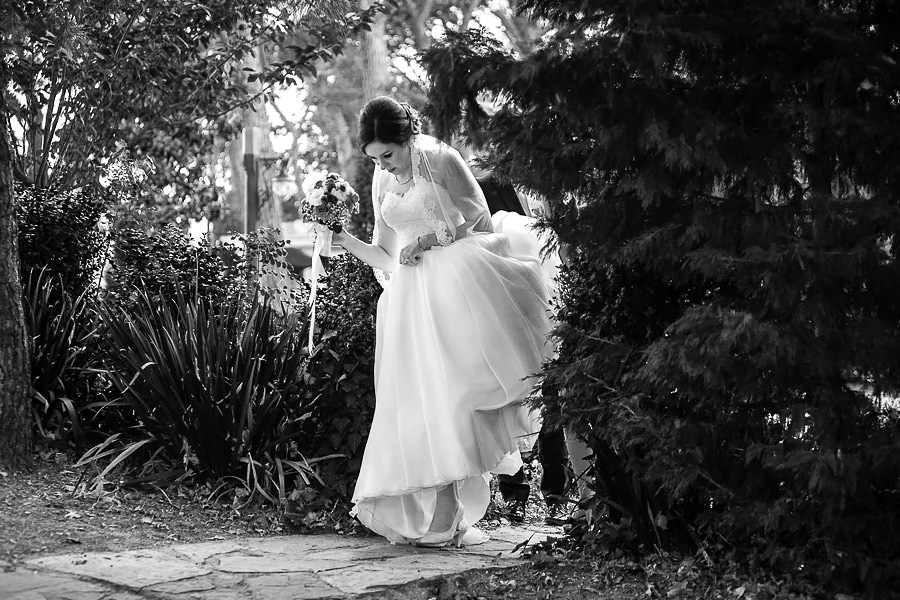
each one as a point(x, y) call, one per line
point(387, 121)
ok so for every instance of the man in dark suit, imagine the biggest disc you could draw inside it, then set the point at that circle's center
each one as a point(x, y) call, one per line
point(551, 444)
point(500, 196)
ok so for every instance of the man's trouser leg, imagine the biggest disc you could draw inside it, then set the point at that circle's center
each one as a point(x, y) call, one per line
point(554, 459)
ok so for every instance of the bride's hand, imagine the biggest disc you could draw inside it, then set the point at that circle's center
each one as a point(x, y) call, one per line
point(411, 255)
point(338, 239)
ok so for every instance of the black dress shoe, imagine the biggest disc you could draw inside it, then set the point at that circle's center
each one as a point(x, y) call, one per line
point(557, 515)
point(515, 511)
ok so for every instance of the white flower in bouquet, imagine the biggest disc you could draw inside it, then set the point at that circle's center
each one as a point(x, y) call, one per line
point(310, 180)
point(315, 197)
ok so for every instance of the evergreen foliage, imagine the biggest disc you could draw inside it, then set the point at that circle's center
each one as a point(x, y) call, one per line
point(726, 175)
point(163, 263)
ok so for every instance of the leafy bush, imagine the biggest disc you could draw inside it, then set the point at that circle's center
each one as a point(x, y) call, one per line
point(216, 387)
point(163, 262)
point(696, 446)
point(606, 315)
point(65, 359)
point(60, 233)
point(191, 354)
point(152, 254)
point(260, 261)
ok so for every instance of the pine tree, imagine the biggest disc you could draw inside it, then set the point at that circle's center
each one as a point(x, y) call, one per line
point(726, 173)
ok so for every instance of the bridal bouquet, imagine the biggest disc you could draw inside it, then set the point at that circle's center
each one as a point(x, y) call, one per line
point(327, 207)
point(330, 202)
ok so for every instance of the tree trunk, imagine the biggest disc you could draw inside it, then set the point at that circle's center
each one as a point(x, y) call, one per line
point(15, 349)
point(269, 212)
point(420, 12)
point(234, 198)
point(375, 58)
point(342, 134)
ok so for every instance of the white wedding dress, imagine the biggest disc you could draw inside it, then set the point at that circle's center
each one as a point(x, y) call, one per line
point(458, 336)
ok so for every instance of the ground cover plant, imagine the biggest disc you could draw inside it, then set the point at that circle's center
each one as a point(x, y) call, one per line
point(189, 363)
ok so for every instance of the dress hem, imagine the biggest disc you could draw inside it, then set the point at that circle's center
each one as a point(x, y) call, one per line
point(412, 490)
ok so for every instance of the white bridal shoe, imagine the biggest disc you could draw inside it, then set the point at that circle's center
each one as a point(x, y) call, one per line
point(465, 535)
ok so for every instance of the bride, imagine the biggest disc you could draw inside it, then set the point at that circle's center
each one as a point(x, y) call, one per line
point(461, 326)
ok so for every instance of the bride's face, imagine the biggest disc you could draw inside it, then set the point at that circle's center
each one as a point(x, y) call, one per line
point(393, 158)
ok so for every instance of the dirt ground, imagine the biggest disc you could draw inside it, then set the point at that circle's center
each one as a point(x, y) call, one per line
point(52, 510)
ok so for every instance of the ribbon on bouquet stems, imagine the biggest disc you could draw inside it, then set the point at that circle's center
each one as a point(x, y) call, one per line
point(322, 247)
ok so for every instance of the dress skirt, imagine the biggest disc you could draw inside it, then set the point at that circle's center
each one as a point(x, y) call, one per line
point(458, 338)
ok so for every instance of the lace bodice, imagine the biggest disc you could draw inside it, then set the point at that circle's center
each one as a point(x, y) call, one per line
point(405, 214)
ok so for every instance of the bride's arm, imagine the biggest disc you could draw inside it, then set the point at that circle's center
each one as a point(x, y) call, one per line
point(383, 253)
point(460, 205)
point(427, 241)
point(462, 195)
point(379, 256)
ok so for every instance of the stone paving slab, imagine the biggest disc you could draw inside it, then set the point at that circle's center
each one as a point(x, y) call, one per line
point(132, 570)
point(375, 576)
point(272, 568)
point(32, 585)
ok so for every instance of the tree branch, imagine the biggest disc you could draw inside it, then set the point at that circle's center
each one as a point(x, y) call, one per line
point(420, 11)
point(50, 124)
point(467, 14)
